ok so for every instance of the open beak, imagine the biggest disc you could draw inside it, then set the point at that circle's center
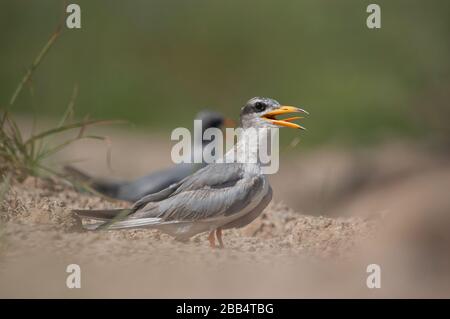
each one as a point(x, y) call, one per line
point(271, 116)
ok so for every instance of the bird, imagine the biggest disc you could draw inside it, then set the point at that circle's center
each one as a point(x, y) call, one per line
point(219, 196)
point(132, 191)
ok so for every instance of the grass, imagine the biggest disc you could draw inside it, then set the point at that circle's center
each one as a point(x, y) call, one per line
point(23, 156)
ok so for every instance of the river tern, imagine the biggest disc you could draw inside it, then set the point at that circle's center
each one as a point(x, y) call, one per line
point(220, 196)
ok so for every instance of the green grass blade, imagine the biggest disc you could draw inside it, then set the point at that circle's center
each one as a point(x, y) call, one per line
point(69, 127)
point(35, 64)
point(70, 107)
point(61, 146)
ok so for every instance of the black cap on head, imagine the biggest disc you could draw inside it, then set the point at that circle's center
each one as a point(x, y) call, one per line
point(210, 119)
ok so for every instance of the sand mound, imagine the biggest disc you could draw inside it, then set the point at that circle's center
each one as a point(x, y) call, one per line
point(281, 254)
point(38, 206)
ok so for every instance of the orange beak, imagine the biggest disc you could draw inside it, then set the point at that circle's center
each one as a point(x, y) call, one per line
point(287, 122)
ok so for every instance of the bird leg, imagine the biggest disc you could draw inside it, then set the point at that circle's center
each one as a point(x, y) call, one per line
point(212, 240)
point(219, 237)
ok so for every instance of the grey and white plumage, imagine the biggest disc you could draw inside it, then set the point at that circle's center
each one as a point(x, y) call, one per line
point(218, 196)
point(132, 191)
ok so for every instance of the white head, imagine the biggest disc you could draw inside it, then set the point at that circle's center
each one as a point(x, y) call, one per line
point(261, 112)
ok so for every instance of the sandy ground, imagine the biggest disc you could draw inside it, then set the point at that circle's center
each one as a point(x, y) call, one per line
point(334, 212)
point(41, 236)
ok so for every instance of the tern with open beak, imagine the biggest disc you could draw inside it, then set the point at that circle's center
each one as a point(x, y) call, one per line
point(219, 196)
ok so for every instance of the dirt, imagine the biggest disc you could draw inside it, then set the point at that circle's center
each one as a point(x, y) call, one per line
point(38, 207)
point(378, 211)
point(39, 227)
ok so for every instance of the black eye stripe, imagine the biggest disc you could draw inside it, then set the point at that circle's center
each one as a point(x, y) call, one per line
point(260, 106)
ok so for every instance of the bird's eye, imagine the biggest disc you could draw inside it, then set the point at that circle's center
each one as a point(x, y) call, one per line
point(259, 106)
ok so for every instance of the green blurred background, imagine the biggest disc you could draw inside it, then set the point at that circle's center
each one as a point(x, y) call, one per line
point(156, 63)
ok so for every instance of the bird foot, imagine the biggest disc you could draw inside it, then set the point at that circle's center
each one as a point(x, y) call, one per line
point(212, 239)
point(219, 237)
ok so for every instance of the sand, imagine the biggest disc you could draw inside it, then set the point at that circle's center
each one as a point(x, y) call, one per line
point(378, 212)
point(39, 229)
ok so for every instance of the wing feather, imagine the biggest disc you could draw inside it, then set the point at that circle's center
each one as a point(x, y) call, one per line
point(216, 191)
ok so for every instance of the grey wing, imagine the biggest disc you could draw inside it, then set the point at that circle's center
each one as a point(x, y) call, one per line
point(155, 182)
point(252, 215)
point(212, 175)
point(152, 198)
point(214, 192)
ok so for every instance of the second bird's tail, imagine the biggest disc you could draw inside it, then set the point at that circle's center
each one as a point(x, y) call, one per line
point(108, 188)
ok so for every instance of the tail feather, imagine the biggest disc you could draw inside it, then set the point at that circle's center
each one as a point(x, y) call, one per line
point(136, 223)
point(113, 219)
point(78, 174)
point(105, 187)
point(130, 223)
point(93, 226)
